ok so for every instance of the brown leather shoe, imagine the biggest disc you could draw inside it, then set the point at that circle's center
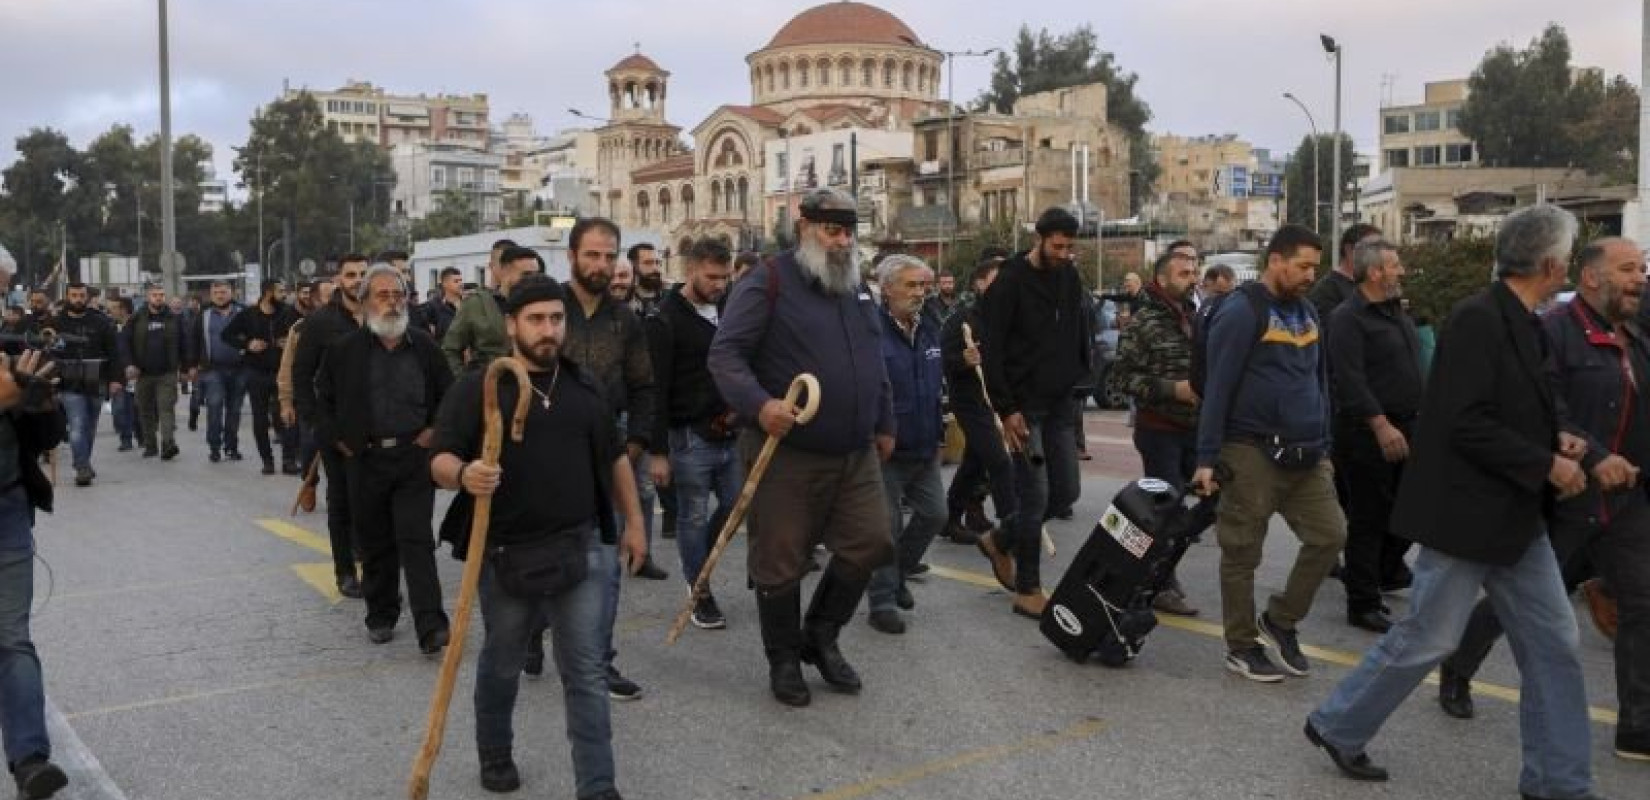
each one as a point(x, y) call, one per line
point(1030, 605)
point(1602, 607)
point(1002, 565)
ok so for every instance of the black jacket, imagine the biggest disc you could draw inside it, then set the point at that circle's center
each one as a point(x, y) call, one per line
point(679, 340)
point(172, 353)
point(1041, 336)
point(272, 329)
point(321, 328)
point(87, 367)
point(1476, 484)
point(1603, 393)
point(41, 427)
point(343, 401)
point(961, 381)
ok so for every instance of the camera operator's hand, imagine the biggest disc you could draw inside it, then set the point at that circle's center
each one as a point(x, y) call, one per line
point(29, 364)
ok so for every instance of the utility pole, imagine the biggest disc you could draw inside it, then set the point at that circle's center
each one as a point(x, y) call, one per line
point(1644, 131)
point(1333, 48)
point(170, 271)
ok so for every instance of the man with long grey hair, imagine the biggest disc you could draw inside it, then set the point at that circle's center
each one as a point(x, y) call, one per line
point(911, 473)
point(377, 393)
point(1487, 463)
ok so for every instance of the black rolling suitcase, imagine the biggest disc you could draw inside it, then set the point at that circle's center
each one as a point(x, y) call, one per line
point(1103, 605)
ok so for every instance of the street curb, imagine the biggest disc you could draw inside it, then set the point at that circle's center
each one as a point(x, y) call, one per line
point(87, 780)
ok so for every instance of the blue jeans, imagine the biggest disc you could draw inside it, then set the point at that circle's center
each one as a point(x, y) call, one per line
point(578, 639)
point(1529, 599)
point(698, 468)
point(222, 389)
point(22, 693)
point(123, 406)
point(82, 411)
point(918, 481)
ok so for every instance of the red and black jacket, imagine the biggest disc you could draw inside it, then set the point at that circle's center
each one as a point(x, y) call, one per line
point(1599, 378)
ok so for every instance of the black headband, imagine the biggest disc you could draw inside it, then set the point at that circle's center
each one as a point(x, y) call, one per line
point(533, 289)
point(840, 216)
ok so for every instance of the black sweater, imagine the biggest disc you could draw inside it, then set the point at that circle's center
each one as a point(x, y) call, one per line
point(1040, 336)
point(252, 323)
point(679, 339)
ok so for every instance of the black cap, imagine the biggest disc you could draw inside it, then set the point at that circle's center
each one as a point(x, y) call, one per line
point(533, 288)
point(829, 205)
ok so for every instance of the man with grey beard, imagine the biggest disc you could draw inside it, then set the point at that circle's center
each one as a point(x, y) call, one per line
point(806, 313)
point(377, 393)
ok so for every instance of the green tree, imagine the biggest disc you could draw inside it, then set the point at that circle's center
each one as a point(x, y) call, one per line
point(1299, 180)
point(311, 181)
point(1524, 110)
point(454, 215)
point(1044, 62)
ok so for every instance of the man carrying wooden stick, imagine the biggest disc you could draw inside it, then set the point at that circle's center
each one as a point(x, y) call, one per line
point(545, 553)
point(808, 313)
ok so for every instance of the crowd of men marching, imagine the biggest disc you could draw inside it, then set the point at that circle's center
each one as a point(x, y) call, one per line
point(1510, 463)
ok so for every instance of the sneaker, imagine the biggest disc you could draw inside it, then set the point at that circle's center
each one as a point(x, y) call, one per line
point(1173, 602)
point(37, 777)
point(621, 688)
point(886, 620)
point(652, 571)
point(1252, 663)
point(430, 643)
point(707, 616)
point(381, 635)
point(1287, 644)
point(232, 455)
point(125, 447)
point(83, 477)
point(1632, 747)
point(498, 770)
point(169, 451)
point(350, 586)
point(214, 457)
point(150, 451)
point(269, 467)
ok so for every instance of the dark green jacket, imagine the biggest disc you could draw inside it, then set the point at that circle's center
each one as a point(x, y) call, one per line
point(479, 329)
point(1154, 351)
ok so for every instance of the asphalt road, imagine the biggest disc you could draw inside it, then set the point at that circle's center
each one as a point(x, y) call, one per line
point(194, 651)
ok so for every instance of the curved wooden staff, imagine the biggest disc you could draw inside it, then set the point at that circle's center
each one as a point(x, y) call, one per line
point(968, 339)
point(492, 442)
point(803, 387)
point(305, 498)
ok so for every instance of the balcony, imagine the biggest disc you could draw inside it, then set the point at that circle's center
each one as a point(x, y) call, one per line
point(991, 159)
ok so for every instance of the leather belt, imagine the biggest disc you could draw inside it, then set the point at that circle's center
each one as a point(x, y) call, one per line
point(392, 442)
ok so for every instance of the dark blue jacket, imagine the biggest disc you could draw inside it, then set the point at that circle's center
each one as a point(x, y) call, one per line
point(915, 373)
point(1280, 389)
point(1600, 389)
point(756, 354)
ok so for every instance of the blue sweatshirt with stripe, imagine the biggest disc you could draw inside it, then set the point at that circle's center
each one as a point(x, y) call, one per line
point(1280, 389)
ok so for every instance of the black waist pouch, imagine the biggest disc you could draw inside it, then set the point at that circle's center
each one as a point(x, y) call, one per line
point(544, 567)
point(1293, 457)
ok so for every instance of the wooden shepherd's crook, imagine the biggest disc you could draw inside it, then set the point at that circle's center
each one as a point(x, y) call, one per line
point(803, 387)
point(492, 442)
point(968, 339)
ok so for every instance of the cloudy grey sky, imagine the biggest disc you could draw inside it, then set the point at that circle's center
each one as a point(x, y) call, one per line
point(1205, 66)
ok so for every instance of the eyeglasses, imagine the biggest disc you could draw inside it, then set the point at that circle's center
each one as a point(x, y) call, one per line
point(835, 229)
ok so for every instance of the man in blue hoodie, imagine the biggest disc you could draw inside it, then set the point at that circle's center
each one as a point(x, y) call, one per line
point(911, 354)
point(1266, 417)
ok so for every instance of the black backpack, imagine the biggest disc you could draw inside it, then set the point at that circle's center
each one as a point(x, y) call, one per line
point(1255, 293)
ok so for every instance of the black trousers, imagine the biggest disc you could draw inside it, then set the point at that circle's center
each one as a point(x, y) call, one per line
point(984, 458)
point(392, 500)
point(266, 414)
point(340, 523)
point(1373, 553)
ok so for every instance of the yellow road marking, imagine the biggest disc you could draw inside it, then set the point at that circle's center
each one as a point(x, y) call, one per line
point(319, 576)
point(1340, 657)
point(297, 535)
point(209, 693)
point(1042, 741)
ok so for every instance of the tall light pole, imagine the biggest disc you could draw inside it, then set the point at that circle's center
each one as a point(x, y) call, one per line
point(1317, 141)
point(951, 203)
point(168, 215)
point(1644, 131)
point(606, 160)
point(1333, 48)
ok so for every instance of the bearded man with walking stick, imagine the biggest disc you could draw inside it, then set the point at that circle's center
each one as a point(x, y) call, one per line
point(545, 550)
point(808, 313)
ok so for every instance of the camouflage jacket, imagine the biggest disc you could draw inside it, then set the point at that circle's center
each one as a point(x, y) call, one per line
point(1154, 351)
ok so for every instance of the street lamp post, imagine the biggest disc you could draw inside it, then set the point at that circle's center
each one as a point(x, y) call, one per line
point(1317, 208)
point(1333, 48)
point(168, 215)
point(606, 160)
point(951, 204)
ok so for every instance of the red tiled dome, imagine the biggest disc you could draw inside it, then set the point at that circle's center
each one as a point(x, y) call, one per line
point(636, 61)
point(844, 23)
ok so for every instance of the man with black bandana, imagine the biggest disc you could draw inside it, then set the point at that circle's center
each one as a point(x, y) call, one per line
point(807, 313)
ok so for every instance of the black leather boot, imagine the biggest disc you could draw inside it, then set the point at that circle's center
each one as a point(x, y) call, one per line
point(498, 770)
point(781, 616)
point(835, 599)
